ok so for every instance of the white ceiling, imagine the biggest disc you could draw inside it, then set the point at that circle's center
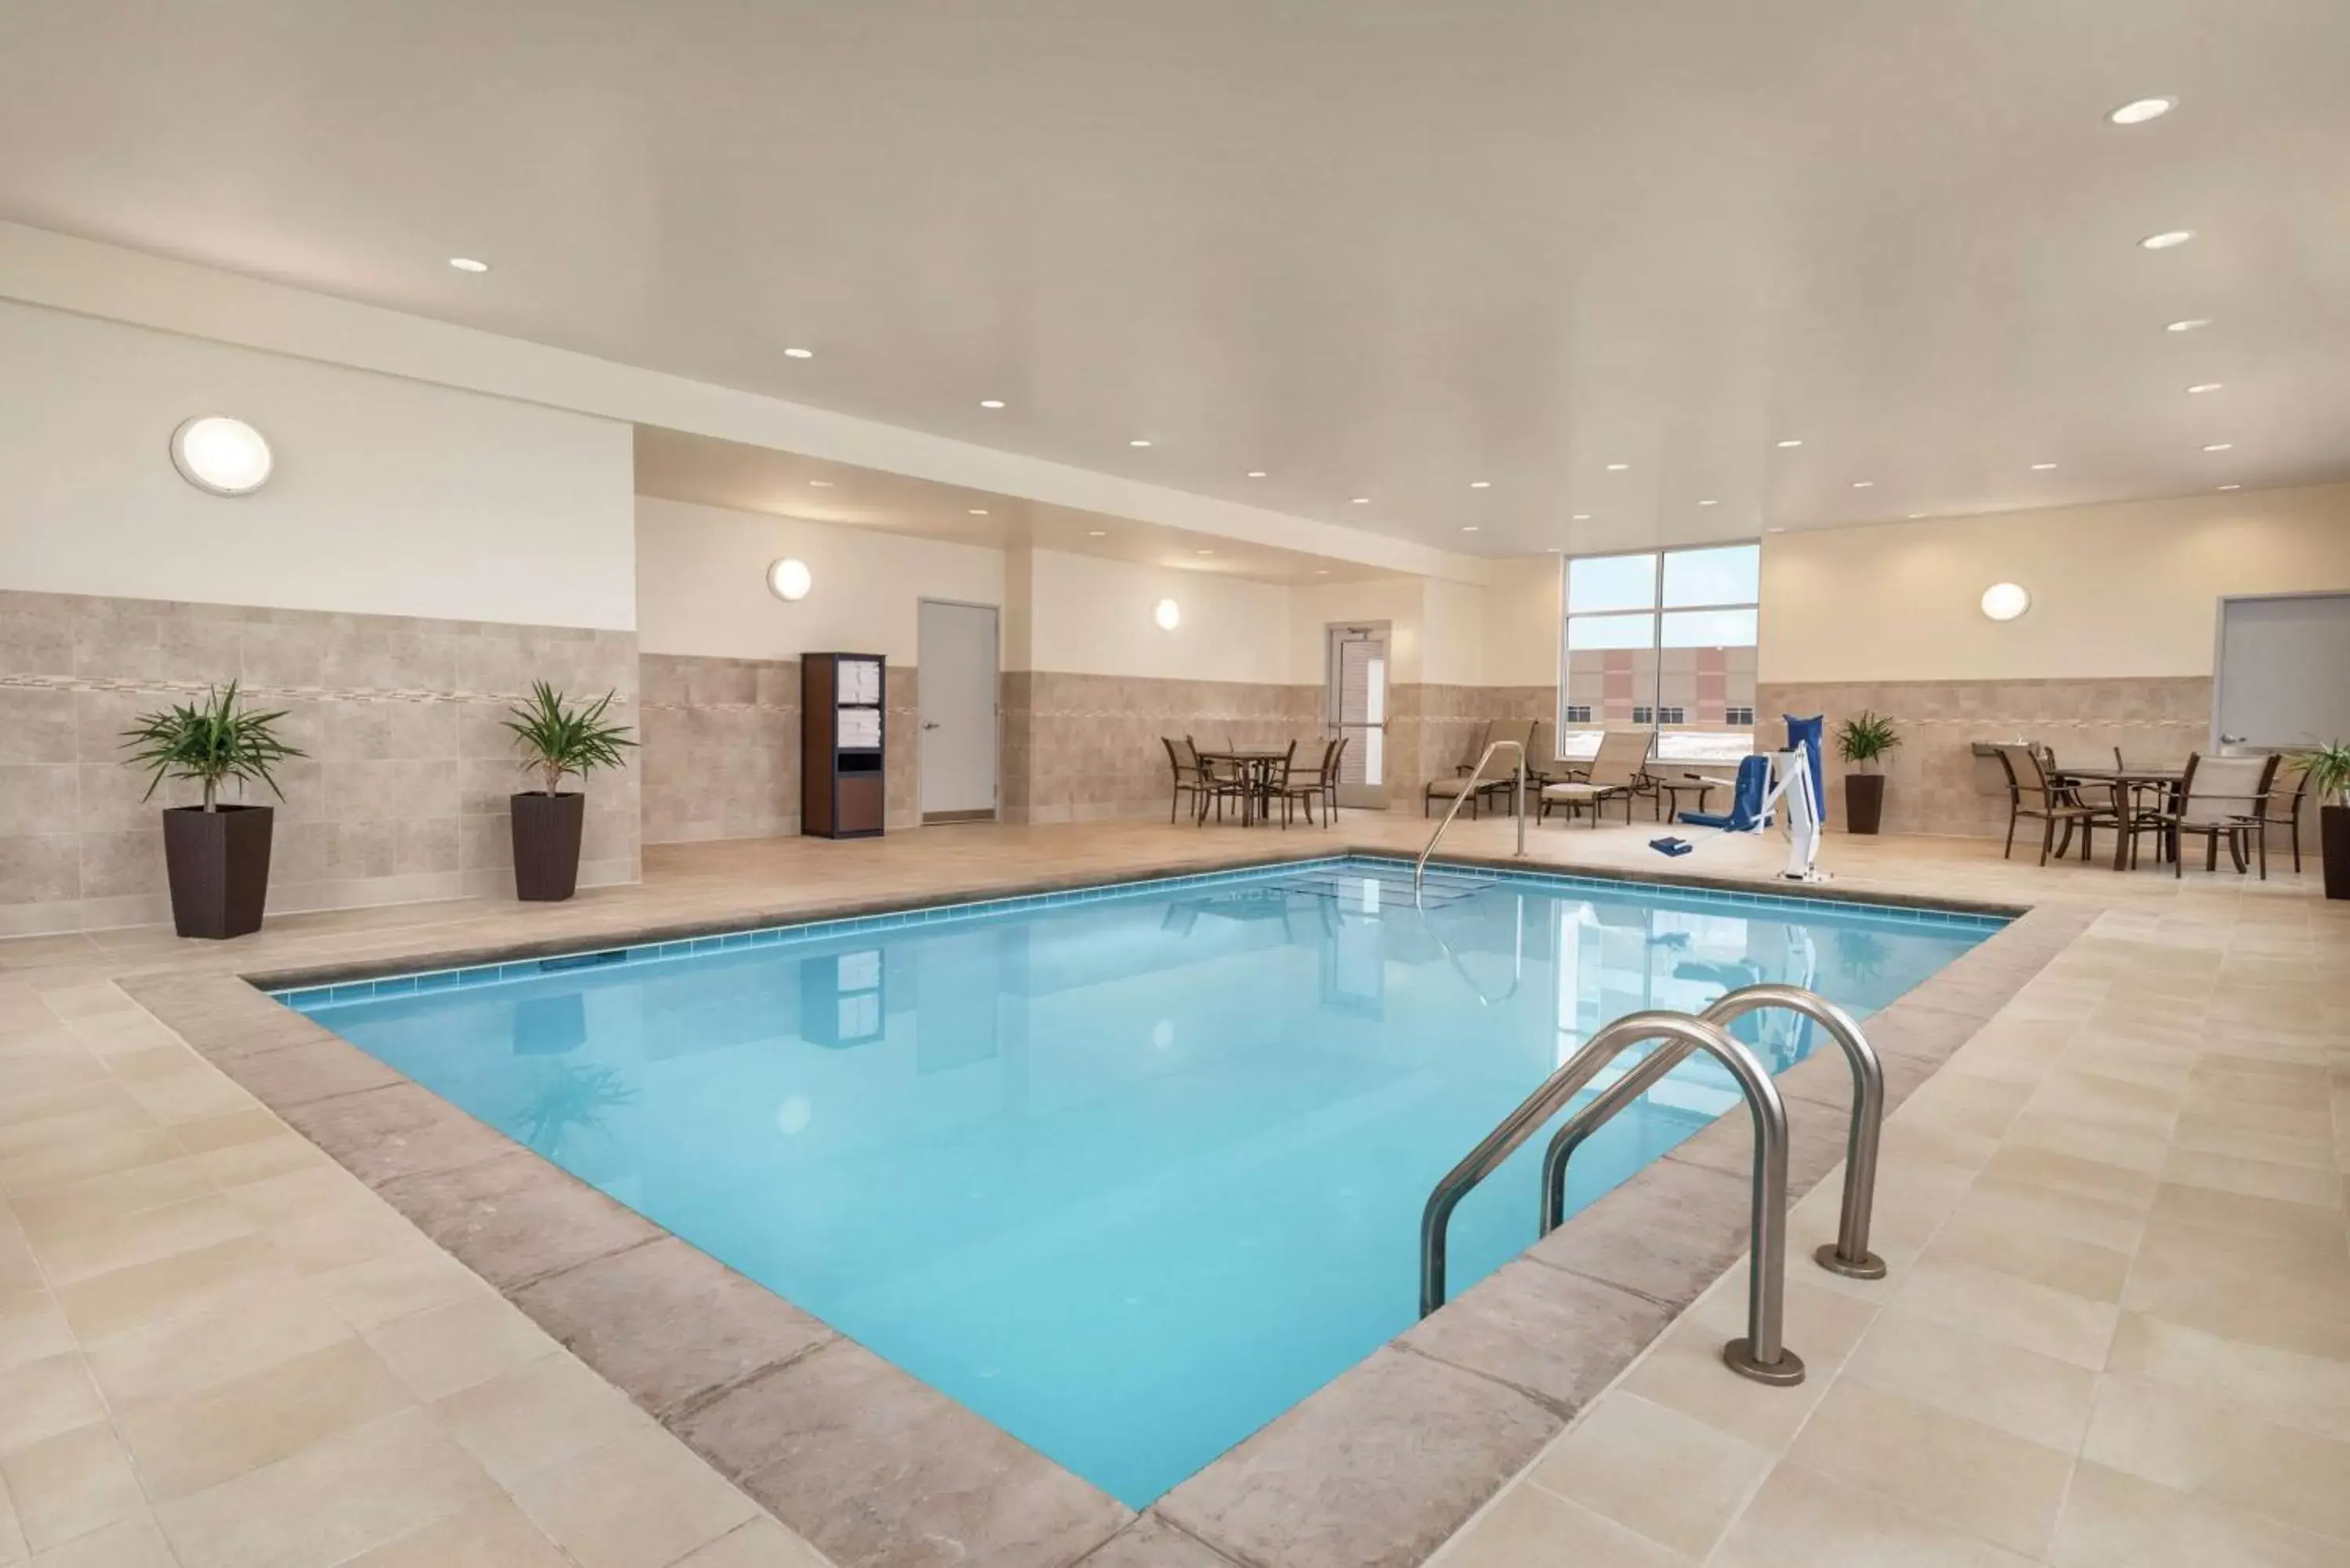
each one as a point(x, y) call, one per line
point(677, 466)
point(1380, 248)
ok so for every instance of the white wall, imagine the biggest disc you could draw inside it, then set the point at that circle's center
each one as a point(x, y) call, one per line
point(1521, 624)
point(390, 497)
point(1093, 617)
point(702, 584)
point(2123, 591)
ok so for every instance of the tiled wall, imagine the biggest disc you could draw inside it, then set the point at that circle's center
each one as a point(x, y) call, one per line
point(722, 753)
point(1077, 748)
point(402, 795)
point(1935, 784)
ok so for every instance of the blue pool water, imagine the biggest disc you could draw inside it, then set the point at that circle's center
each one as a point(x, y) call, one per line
point(1128, 1173)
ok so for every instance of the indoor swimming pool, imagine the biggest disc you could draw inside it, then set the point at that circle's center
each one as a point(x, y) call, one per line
point(1127, 1171)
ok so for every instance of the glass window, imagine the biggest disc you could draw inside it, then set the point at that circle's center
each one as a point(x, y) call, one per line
point(1730, 575)
point(1613, 583)
point(1662, 641)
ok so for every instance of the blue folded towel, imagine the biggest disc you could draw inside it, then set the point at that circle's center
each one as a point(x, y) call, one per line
point(1672, 846)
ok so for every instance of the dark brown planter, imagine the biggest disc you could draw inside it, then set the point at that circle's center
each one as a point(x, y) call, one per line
point(218, 862)
point(1864, 802)
point(546, 846)
point(2333, 838)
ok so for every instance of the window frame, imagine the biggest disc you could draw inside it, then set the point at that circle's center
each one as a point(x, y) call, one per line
point(1657, 611)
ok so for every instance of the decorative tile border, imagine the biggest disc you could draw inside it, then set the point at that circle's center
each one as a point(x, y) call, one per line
point(1377, 1468)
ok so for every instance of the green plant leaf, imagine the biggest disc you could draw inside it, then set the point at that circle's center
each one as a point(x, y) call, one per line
point(556, 738)
point(209, 743)
point(1866, 736)
point(2329, 770)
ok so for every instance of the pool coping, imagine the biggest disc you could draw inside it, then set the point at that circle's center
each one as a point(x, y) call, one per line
point(879, 1471)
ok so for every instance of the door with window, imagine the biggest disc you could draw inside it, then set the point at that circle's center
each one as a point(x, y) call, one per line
point(1355, 710)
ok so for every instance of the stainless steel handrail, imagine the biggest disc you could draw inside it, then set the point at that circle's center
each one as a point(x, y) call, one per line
point(1849, 1254)
point(1420, 867)
point(1760, 1355)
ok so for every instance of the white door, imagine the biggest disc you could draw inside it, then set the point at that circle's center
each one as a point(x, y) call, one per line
point(2282, 658)
point(956, 676)
point(1356, 707)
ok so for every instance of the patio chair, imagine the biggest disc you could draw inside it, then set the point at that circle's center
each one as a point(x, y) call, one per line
point(2287, 816)
point(1445, 789)
point(1504, 776)
point(1618, 772)
point(2221, 797)
point(1218, 783)
point(1191, 778)
point(2031, 794)
point(1293, 787)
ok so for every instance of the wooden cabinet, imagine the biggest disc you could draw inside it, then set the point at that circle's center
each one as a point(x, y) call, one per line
point(843, 744)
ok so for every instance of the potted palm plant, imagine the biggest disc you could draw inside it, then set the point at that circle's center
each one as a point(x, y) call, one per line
point(557, 739)
point(215, 855)
point(1863, 740)
point(2329, 780)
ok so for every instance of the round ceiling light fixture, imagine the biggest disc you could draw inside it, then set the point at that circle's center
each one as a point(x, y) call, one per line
point(991, 402)
point(1481, 484)
point(2166, 240)
point(2200, 387)
point(799, 353)
point(221, 456)
point(789, 580)
point(2138, 110)
point(467, 264)
point(2005, 601)
point(1789, 445)
point(1255, 473)
point(2192, 324)
point(1168, 614)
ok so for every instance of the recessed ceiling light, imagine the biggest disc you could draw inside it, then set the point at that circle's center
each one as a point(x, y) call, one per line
point(2138, 110)
point(1784, 444)
point(1468, 527)
point(1255, 473)
point(1774, 529)
point(1321, 571)
point(1481, 484)
point(1204, 552)
point(1864, 485)
point(991, 402)
point(2232, 487)
point(1582, 517)
point(799, 353)
point(1359, 500)
point(1138, 441)
point(1709, 504)
point(2166, 240)
point(2042, 467)
point(2220, 446)
point(821, 484)
point(1096, 532)
point(467, 264)
point(1617, 467)
point(2192, 324)
point(2206, 387)
point(979, 511)
point(1914, 516)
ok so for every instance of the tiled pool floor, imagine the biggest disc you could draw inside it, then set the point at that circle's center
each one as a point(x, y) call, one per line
point(2116, 1329)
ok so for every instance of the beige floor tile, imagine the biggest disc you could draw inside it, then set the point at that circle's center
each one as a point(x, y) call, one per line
point(332, 1500)
point(2296, 1390)
point(187, 1443)
point(2026, 1394)
point(261, 1324)
point(494, 1535)
point(2295, 1225)
point(1528, 1527)
point(2244, 1287)
point(71, 1485)
point(131, 1543)
point(2256, 1177)
point(73, 1252)
point(44, 1398)
point(1664, 1475)
point(59, 1211)
point(762, 1544)
point(2116, 1520)
point(76, 1158)
point(439, 1352)
point(2071, 1171)
point(1802, 1519)
point(1960, 1472)
point(2112, 1146)
point(641, 1503)
point(396, 1283)
point(2241, 1143)
point(538, 1415)
point(2060, 1263)
point(2225, 1455)
point(2014, 1311)
point(238, 1164)
point(31, 1327)
point(321, 1217)
point(148, 1295)
point(12, 1549)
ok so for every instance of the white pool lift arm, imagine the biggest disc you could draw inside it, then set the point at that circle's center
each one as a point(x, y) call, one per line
point(1791, 786)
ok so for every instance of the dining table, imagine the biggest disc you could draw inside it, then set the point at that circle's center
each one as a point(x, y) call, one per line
point(2129, 787)
point(1252, 766)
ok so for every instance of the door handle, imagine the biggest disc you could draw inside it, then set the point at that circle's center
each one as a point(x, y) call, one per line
point(930, 723)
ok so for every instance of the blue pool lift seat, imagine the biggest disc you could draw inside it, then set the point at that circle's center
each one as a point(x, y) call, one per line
point(1745, 811)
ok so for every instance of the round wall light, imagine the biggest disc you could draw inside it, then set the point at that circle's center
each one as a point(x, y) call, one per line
point(789, 580)
point(2005, 601)
point(1169, 615)
point(221, 456)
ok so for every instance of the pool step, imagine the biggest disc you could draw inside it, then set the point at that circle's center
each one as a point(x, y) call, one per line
point(1393, 887)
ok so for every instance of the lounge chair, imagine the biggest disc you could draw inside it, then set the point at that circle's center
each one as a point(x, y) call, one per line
point(1616, 773)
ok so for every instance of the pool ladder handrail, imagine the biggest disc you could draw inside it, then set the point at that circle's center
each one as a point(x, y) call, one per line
point(1420, 867)
point(1848, 1254)
point(1760, 1354)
